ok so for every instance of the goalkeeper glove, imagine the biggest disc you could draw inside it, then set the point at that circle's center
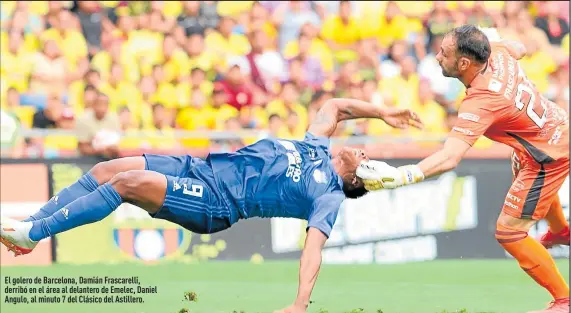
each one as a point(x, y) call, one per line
point(379, 175)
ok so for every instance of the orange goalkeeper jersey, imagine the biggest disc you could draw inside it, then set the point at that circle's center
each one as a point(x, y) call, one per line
point(503, 105)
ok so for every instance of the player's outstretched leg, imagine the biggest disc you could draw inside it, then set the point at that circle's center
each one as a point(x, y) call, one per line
point(145, 189)
point(534, 259)
point(558, 233)
point(99, 174)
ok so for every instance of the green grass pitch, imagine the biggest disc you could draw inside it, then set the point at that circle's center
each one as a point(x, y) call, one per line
point(470, 286)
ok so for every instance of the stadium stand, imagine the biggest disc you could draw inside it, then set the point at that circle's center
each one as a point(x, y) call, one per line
point(159, 67)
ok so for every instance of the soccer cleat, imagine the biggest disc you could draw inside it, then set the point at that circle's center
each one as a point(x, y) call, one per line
point(556, 306)
point(549, 239)
point(15, 236)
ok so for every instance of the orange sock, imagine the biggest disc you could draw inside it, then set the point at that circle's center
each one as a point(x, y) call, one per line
point(555, 217)
point(534, 259)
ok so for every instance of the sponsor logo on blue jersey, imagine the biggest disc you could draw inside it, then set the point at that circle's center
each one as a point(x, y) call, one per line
point(294, 159)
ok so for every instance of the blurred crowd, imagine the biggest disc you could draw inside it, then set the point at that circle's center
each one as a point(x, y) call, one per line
point(102, 67)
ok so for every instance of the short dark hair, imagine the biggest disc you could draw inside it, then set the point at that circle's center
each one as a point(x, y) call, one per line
point(354, 193)
point(101, 96)
point(288, 83)
point(274, 116)
point(124, 108)
point(157, 106)
point(92, 71)
point(471, 42)
point(90, 88)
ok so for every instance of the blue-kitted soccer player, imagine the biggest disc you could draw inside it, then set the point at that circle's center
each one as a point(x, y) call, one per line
point(271, 178)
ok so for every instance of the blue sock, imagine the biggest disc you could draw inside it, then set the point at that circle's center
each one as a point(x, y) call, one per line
point(85, 210)
point(85, 185)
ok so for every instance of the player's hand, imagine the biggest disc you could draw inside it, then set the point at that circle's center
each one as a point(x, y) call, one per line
point(294, 308)
point(379, 175)
point(401, 118)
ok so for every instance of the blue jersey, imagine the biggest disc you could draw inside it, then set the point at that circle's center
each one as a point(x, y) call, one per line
point(281, 178)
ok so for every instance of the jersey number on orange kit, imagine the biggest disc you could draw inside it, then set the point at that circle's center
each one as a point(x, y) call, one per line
point(526, 97)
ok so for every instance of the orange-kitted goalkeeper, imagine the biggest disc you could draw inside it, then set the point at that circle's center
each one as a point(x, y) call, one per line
point(503, 105)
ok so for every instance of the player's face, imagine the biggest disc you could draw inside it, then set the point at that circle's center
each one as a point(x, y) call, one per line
point(447, 58)
point(351, 158)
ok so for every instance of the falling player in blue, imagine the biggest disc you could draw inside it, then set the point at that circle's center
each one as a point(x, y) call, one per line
point(271, 178)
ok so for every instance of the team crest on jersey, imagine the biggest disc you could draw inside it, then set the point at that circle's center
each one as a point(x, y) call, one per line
point(320, 177)
point(312, 154)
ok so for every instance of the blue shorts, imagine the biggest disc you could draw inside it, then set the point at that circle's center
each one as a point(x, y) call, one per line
point(192, 198)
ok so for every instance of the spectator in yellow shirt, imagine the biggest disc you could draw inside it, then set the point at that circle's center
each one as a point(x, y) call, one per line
point(93, 78)
point(287, 103)
point(439, 21)
point(318, 48)
point(173, 60)
point(260, 20)
point(221, 110)
point(131, 138)
point(537, 64)
point(222, 43)
point(160, 134)
point(233, 125)
point(165, 90)
point(69, 40)
point(126, 119)
point(117, 53)
point(49, 71)
point(342, 32)
point(196, 116)
point(393, 26)
point(275, 126)
point(55, 144)
point(119, 91)
point(29, 25)
point(403, 88)
point(197, 82)
point(141, 107)
point(12, 104)
point(198, 56)
point(430, 112)
point(15, 63)
point(85, 100)
point(292, 129)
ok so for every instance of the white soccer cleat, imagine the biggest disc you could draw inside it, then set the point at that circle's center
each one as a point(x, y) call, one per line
point(15, 235)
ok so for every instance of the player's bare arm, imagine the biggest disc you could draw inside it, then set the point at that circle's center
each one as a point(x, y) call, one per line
point(380, 175)
point(444, 160)
point(516, 49)
point(309, 265)
point(337, 110)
